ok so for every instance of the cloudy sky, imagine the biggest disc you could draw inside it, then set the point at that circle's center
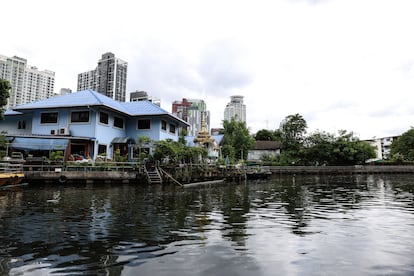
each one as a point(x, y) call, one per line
point(341, 64)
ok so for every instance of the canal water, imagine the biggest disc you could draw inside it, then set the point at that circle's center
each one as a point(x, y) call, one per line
point(303, 225)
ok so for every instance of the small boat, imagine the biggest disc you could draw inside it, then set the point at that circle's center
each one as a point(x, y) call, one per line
point(11, 174)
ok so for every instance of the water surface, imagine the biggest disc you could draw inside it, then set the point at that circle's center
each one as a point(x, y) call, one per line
point(343, 225)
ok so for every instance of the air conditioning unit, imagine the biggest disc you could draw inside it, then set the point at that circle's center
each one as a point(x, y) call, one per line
point(63, 131)
point(53, 132)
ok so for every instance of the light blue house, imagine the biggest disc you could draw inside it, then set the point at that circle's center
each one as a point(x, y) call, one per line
point(87, 123)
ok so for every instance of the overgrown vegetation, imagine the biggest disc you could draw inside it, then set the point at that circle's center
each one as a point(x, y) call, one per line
point(402, 149)
point(169, 151)
point(56, 155)
point(237, 141)
point(5, 88)
point(3, 146)
point(318, 148)
point(4, 95)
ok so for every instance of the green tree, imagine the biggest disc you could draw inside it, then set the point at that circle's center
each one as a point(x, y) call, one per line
point(3, 146)
point(166, 149)
point(237, 141)
point(141, 142)
point(344, 149)
point(319, 147)
point(292, 132)
point(176, 151)
point(404, 146)
point(4, 95)
point(264, 135)
point(183, 134)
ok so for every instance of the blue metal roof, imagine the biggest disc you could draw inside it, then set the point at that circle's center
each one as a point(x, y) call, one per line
point(9, 112)
point(93, 98)
point(81, 98)
point(143, 108)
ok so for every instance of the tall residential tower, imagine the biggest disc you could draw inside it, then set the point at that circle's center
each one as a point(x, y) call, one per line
point(109, 78)
point(191, 111)
point(235, 109)
point(27, 82)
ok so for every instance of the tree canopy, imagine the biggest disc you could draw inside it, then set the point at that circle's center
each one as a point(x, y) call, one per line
point(344, 149)
point(318, 148)
point(172, 151)
point(4, 95)
point(264, 135)
point(237, 141)
point(291, 132)
point(403, 146)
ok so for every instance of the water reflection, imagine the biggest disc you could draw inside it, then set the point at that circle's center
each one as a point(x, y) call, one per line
point(288, 225)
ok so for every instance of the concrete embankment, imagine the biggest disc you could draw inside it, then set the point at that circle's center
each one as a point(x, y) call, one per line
point(130, 175)
point(277, 170)
point(83, 176)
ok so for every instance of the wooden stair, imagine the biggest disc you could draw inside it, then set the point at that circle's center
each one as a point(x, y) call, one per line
point(153, 176)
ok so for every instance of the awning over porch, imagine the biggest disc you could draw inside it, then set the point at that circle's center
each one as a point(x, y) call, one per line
point(122, 140)
point(29, 143)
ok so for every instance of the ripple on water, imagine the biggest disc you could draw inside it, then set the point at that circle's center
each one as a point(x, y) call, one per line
point(309, 226)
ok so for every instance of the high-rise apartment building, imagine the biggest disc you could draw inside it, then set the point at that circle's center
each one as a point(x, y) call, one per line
point(27, 82)
point(190, 110)
point(64, 91)
point(143, 96)
point(109, 78)
point(87, 80)
point(38, 84)
point(235, 109)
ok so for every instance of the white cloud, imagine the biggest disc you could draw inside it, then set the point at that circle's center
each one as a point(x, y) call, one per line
point(341, 64)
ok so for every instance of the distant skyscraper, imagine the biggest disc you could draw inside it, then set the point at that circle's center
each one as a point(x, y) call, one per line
point(87, 80)
point(64, 91)
point(190, 110)
point(109, 78)
point(235, 109)
point(38, 84)
point(27, 82)
point(143, 96)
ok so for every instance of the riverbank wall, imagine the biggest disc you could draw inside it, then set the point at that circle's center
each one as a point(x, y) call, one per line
point(188, 174)
point(129, 173)
point(358, 169)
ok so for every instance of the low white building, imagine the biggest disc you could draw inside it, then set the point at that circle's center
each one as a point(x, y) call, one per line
point(264, 148)
point(383, 147)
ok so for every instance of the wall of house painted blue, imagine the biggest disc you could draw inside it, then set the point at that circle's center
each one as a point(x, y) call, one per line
point(155, 132)
point(83, 129)
point(95, 133)
point(105, 133)
point(16, 124)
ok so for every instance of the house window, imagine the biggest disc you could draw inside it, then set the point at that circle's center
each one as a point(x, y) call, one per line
point(103, 118)
point(163, 125)
point(79, 117)
point(172, 128)
point(144, 124)
point(21, 124)
point(49, 118)
point(101, 149)
point(118, 122)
